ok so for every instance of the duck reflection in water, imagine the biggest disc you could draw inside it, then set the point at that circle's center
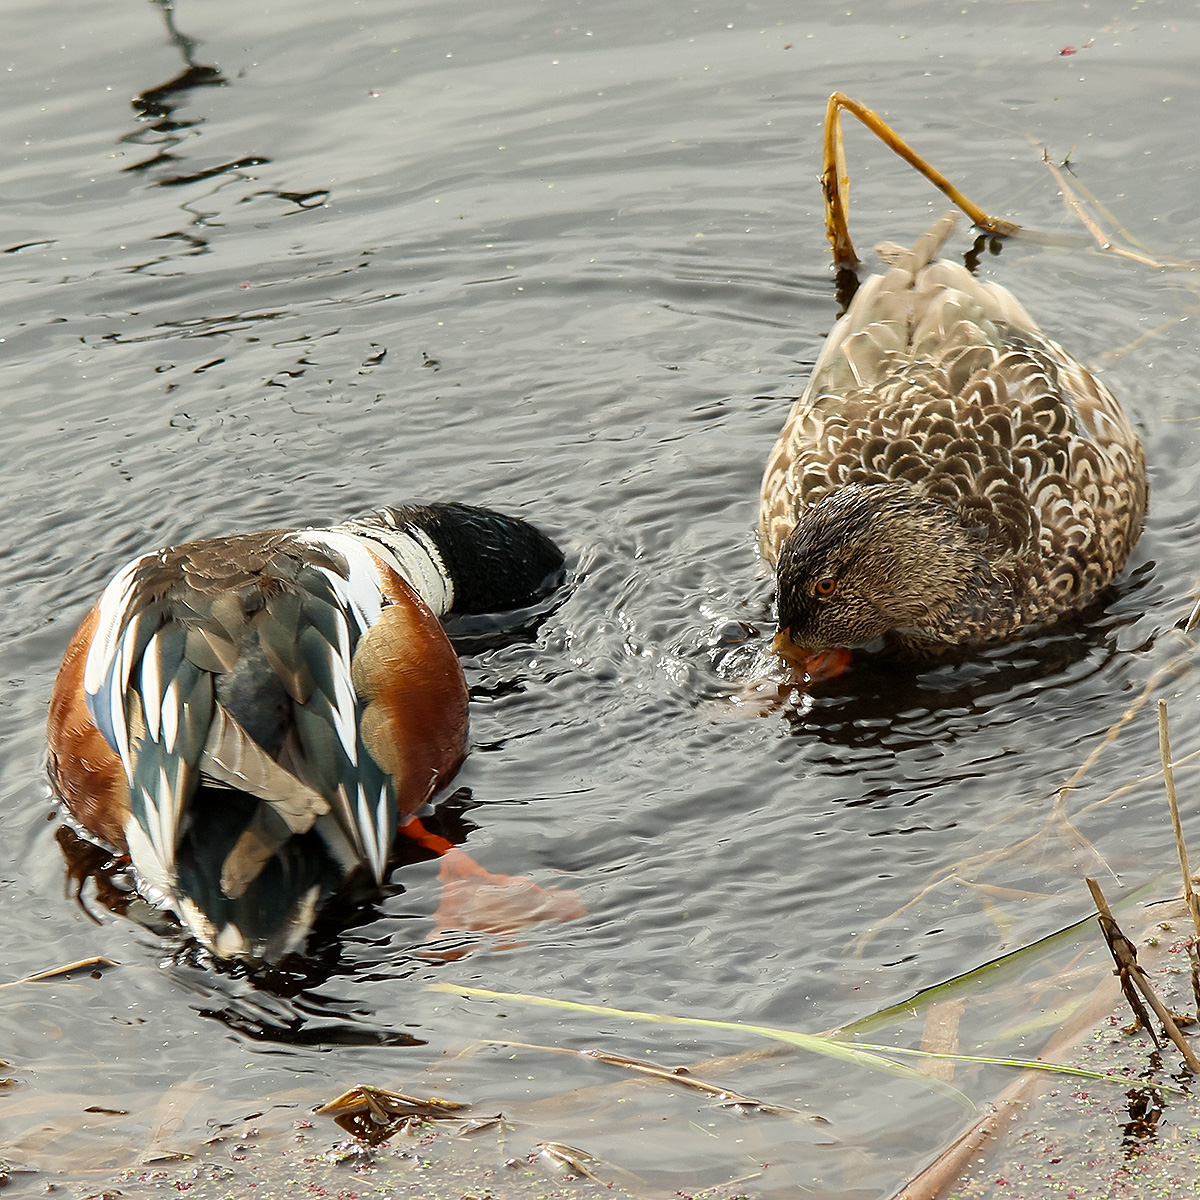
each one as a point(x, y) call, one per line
point(252, 719)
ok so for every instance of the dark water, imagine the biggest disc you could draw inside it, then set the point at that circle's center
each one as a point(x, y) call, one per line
point(568, 260)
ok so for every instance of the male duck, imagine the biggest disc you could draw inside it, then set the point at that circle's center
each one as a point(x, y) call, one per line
point(252, 718)
point(951, 478)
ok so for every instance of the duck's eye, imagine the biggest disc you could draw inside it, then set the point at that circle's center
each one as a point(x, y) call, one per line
point(825, 586)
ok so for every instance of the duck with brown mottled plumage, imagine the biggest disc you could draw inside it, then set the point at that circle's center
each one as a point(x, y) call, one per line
point(950, 479)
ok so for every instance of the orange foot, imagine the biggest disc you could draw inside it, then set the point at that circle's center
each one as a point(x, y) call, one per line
point(476, 901)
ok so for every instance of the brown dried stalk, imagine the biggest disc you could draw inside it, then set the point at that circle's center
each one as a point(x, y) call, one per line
point(835, 179)
point(1189, 895)
point(1131, 975)
point(1103, 241)
point(96, 963)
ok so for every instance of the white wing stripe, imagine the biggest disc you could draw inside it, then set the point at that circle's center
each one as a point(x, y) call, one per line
point(116, 704)
point(152, 689)
point(170, 715)
point(345, 717)
point(111, 610)
point(343, 646)
point(360, 590)
point(150, 867)
point(361, 603)
point(381, 832)
point(413, 555)
point(160, 820)
point(436, 589)
point(368, 833)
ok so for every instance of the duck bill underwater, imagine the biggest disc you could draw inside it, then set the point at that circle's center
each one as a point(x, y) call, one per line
point(878, 568)
point(814, 667)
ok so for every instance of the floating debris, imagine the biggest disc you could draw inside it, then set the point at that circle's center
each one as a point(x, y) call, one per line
point(95, 965)
point(374, 1114)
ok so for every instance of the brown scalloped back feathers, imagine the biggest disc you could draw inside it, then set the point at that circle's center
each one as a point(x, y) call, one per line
point(1006, 451)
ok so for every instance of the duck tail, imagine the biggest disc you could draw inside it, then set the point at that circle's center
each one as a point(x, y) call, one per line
point(924, 250)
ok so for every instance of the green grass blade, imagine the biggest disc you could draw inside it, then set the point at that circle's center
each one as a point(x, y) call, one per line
point(861, 1054)
point(830, 1047)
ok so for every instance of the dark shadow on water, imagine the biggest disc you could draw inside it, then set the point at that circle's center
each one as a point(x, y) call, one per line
point(155, 107)
point(301, 1030)
point(878, 692)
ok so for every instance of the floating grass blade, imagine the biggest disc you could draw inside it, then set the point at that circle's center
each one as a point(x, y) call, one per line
point(803, 1041)
point(861, 1054)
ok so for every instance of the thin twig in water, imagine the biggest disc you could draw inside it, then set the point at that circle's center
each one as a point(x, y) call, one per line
point(96, 963)
point(1176, 666)
point(726, 1097)
point(1189, 894)
point(1193, 618)
point(1131, 785)
point(1125, 956)
point(1102, 240)
point(1058, 820)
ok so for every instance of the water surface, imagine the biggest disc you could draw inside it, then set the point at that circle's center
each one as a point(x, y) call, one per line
point(568, 260)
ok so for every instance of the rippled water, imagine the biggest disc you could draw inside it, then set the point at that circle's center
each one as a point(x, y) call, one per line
point(568, 260)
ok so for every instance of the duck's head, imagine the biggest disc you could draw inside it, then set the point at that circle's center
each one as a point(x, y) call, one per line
point(868, 561)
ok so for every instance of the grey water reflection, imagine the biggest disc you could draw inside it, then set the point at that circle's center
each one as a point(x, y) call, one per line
point(156, 105)
point(569, 260)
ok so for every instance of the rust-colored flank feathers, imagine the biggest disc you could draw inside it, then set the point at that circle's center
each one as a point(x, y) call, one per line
point(85, 771)
point(951, 478)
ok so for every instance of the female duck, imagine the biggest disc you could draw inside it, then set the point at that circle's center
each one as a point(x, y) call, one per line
point(950, 478)
point(253, 718)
